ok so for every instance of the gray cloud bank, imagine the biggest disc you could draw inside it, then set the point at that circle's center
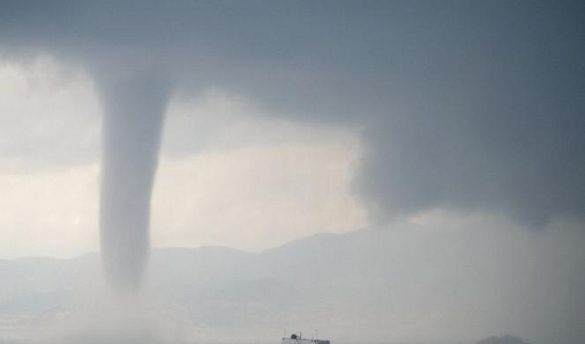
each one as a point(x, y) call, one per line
point(463, 105)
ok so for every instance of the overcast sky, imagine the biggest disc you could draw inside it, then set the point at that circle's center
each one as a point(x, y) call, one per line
point(289, 118)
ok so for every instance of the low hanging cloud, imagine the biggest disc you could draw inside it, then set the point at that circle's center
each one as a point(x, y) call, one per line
point(49, 116)
point(462, 105)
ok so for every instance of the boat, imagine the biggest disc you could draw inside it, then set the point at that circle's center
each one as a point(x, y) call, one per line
point(298, 339)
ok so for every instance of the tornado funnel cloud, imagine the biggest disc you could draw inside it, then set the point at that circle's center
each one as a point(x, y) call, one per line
point(134, 105)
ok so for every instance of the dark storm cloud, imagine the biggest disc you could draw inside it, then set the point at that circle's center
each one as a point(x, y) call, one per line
point(464, 105)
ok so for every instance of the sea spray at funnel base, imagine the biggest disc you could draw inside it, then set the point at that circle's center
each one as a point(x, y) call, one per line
point(134, 103)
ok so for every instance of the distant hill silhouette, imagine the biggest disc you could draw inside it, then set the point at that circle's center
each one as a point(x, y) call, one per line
point(507, 339)
point(373, 283)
